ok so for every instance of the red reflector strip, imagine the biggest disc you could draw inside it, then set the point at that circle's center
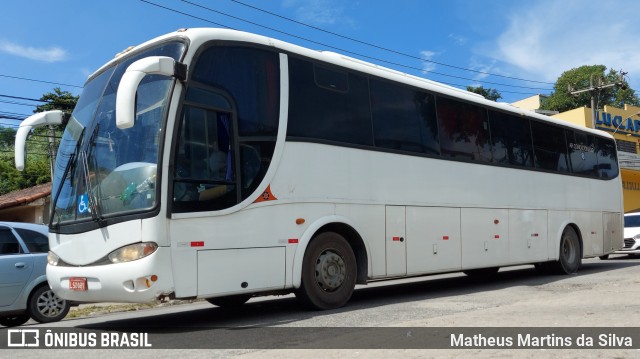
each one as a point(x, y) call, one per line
point(197, 244)
point(396, 239)
point(445, 238)
point(534, 234)
point(293, 240)
point(497, 236)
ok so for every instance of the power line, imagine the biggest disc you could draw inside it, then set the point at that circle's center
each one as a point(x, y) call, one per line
point(23, 98)
point(327, 45)
point(34, 80)
point(18, 103)
point(378, 46)
point(13, 113)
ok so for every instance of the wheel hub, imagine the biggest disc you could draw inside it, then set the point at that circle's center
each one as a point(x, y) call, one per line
point(330, 271)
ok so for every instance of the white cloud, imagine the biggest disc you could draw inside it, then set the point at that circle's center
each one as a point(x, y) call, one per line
point(51, 54)
point(550, 37)
point(426, 65)
point(458, 39)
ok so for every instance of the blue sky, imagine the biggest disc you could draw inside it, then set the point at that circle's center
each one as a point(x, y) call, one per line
point(64, 41)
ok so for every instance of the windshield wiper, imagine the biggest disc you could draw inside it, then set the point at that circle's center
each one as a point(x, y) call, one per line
point(94, 204)
point(67, 169)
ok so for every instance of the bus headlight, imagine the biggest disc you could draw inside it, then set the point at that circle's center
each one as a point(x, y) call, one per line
point(132, 252)
point(52, 258)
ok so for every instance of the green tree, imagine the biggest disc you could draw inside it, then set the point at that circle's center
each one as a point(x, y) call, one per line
point(488, 93)
point(584, 77)
point(58, 100)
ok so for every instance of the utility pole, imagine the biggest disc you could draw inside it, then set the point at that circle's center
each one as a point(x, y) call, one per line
point(53, 150)
point(594, 90)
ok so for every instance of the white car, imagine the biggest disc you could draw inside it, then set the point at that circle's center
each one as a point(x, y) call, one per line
point(631, 234)
point(24, 290)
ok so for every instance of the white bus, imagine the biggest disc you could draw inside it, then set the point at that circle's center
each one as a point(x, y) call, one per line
point(218, 164)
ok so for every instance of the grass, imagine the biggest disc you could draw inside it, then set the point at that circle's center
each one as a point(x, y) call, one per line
point(89, 310)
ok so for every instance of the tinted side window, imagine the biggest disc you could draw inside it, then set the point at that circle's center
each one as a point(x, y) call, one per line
point(464, 130)
point(252, 78)
point(403, 119)
point(324, 104)
point(607, 161)
point(510, 139)
point(8, 242)
point(36, 242)
point(582, 153)
point(549, 146)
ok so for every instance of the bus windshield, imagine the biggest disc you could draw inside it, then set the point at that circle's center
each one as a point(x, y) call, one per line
point(102, 171)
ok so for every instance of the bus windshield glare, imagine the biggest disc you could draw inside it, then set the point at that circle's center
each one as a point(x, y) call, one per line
point(102, 171)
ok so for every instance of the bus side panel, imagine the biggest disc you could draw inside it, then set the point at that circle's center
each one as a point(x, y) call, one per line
point(595, 229)
point(527, 236)
point(613, 232)
point(485, 241)
point(233, 271)
point(184, 262)
point(433, 239)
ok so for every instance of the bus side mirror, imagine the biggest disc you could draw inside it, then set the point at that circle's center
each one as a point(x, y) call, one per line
point(54, 117)
point(126, 97)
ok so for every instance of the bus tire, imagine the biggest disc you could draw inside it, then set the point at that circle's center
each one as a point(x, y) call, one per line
point(328, 272)
point(230, 301)
point(570, 258)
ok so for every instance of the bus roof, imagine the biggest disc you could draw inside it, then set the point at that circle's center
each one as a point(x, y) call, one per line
point(199, 36)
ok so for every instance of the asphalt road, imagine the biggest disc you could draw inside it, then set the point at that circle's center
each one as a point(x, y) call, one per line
point(603, 294)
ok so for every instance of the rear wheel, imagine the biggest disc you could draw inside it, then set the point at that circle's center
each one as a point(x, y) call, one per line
point(570, 254)
point(328, 272)
point(231, 301)
point(14, 320)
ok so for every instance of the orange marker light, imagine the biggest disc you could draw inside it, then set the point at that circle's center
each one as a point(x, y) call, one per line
point(299, 221)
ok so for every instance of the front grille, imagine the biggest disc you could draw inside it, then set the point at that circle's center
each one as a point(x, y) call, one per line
point(629, 242)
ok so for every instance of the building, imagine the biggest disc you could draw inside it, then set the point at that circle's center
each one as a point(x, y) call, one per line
point(623, 124)
point(533, 103)
point(26, 205)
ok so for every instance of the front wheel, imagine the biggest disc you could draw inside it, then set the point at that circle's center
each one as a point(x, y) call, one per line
point(328, 272)
point(45, 306)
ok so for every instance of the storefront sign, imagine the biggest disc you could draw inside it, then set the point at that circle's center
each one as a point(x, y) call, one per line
point(606, 121)
point(630, 186)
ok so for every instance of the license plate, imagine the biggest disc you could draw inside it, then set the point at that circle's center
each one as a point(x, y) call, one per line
point(79, 284)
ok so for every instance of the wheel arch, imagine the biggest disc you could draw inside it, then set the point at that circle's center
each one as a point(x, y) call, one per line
point(579, 233)
point(558, 238)
point(347, 229)
point(29, 289)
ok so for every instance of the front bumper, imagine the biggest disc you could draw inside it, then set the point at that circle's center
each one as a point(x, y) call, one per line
point(122, 282)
